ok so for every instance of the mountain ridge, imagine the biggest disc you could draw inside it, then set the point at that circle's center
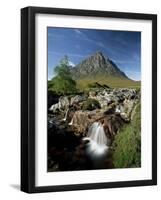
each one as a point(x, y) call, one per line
point(97, 65)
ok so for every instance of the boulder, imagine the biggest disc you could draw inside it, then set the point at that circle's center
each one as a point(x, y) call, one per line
point(125, 109)
point(102, 97)
point(83, 119)
point(54, 108)
point(77, 99)
point(111, 124)
point(64, 102)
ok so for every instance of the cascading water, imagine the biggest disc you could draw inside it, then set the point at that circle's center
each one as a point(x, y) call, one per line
point(71, 123)
point(66, 114)
point(97, 145)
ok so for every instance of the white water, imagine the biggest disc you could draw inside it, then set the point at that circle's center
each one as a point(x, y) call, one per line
point(97, 140)
point(71, 123)
point(66, 114)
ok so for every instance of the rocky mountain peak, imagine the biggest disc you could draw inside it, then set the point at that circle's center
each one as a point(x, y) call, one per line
point(97, 64)
point(99, 54)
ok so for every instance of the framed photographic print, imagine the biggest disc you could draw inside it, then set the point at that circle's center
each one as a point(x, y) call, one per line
point(88, 99)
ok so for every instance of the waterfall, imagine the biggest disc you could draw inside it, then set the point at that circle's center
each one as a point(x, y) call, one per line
point(97, 140)
point(66, 114)
point(71, 123)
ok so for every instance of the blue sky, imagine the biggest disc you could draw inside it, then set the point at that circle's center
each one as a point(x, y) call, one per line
point(122, 47)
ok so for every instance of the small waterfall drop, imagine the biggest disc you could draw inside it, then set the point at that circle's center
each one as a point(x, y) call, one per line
point(66, 114)
point(71, 122)
point(97, 145)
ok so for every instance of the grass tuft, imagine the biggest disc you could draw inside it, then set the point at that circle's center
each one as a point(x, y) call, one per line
point(127, 143)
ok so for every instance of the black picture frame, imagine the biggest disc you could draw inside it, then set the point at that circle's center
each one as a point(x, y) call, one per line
point(28, 98)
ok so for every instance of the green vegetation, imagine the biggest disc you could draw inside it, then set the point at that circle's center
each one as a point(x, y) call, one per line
point(127, 143)
point(96, 85)
point(62, 83)
point(91, 104)
point(113, 82)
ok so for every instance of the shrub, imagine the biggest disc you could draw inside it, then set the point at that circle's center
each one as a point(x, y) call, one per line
point(91, 104)
point(127, 143)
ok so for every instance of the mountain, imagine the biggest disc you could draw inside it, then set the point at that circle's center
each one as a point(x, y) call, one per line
point(97, 65)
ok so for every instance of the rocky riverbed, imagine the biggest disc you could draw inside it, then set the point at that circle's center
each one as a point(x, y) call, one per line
point(69, 121)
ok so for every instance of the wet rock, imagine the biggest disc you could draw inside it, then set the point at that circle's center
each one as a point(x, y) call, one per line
point(111, 124)
point(83, 119)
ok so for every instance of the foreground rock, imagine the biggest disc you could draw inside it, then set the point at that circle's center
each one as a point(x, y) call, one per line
point(80, 111)
point(83, 119)
point(65, 102)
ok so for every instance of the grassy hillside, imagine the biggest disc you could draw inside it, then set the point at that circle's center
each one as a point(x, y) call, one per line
point(127, 143)
point(113, 82)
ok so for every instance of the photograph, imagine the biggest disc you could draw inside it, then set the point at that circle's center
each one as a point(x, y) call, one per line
point(93, 99)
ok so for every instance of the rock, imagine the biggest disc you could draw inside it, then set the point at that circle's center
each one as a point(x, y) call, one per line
point(106, 97)
point(77, 99)
point(62, 105)
point(111, 123)
point(125, 109)
point(103, 98)
point(83, 119)
point(92, 94)
point(54, 108)
point(94, 65)
point(91, 104)
point(64, 102)
point(84, 110)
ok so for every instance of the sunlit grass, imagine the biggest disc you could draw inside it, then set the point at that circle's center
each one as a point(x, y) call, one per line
point(112, 82)
point(127, 143)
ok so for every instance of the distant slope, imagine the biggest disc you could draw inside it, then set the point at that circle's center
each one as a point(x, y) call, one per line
point(112, 82)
